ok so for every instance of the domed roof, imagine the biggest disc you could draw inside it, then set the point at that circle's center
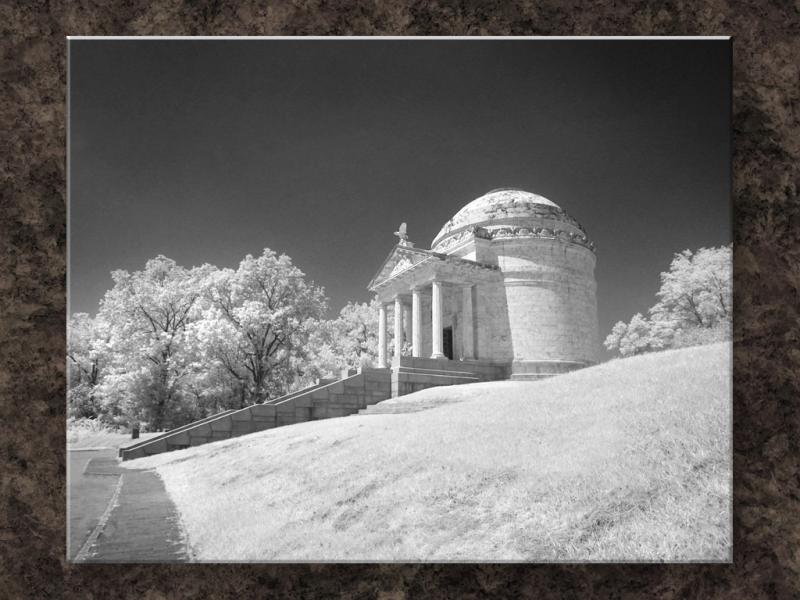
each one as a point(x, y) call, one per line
point(513, 196)
point(501, 206)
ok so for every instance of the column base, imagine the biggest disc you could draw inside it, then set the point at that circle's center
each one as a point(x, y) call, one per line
point(438, 355)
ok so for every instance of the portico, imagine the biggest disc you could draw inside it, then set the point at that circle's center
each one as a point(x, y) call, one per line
point(433, 290)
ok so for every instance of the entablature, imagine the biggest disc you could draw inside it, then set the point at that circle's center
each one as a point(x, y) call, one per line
point(407, 268)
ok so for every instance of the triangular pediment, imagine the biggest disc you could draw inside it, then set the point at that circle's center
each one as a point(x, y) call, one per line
point(400, 259)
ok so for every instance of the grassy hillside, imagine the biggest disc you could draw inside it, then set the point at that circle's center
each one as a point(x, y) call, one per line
point(628, 460)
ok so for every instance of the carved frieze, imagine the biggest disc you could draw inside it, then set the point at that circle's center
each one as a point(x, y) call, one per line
point(401, 265)
point(515, 232)
point(505, 210)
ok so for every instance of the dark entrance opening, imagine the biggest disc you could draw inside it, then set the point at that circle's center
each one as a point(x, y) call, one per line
point(447, 342)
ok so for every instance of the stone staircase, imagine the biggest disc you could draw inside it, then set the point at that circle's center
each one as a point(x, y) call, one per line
point(354, 394)
point(325, 400)
point(164, 436)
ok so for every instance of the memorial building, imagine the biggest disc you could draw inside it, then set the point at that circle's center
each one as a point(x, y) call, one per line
point(507, 284)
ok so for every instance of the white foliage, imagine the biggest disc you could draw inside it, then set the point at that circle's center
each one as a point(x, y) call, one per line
point(694, 305)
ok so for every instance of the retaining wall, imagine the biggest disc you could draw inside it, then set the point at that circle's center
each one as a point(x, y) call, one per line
point(325, 400)
point(412, 374)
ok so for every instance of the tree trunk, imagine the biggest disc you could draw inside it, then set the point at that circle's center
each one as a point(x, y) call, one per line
point(162, 399)
point(259, 394)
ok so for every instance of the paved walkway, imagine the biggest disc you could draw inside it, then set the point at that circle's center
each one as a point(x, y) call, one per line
point(140, 522)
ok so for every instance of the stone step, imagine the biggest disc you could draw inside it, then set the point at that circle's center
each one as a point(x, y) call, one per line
point(438, 372)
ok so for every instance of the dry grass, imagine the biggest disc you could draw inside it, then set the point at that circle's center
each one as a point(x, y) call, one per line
point(629, 460)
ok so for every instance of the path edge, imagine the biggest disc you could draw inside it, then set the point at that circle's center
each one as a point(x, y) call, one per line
point(87, 545)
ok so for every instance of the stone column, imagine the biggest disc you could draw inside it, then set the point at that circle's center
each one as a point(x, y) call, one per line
point(436, 319)
point(467, 330)
point(406, 322)
point(382, 336)
point(416, 322)
point(398, 327)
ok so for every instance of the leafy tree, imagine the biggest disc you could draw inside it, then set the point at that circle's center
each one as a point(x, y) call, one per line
point(697, 289)
point(322, 359)
point(694, 305)
point(256, 323)
point(87, 354)
point(219, 357)
point(356, 332)
point(637, 338)
point(614, 339)
point(149, 312)
point(123, 391)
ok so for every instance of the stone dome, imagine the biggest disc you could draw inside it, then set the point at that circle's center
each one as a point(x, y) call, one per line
point(506, 207)
point(514, 196)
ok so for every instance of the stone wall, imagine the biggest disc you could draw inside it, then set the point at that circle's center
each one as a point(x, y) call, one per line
point(550, 292)
point(414, 374)
point(491, 324)
point(326, 400)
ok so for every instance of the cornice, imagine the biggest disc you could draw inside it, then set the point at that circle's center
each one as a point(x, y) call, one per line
point(511, 232)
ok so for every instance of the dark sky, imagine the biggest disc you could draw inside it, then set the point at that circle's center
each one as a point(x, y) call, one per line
point(205, 151)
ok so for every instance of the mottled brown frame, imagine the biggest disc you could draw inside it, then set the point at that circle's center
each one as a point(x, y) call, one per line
point(767, 297)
